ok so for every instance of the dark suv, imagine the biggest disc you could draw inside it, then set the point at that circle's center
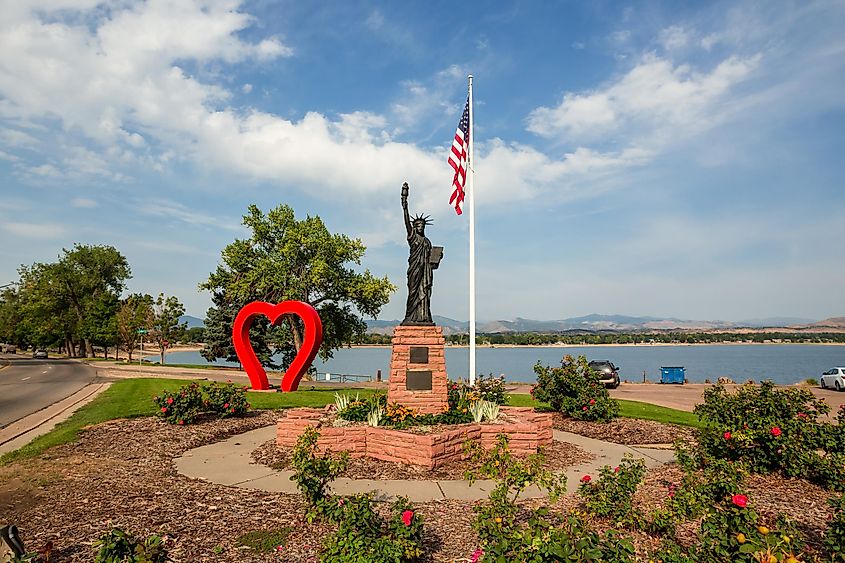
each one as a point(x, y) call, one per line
point(606, 372)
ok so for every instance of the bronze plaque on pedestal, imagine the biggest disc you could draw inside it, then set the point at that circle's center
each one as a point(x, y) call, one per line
point(418, 380)
point(419, 354)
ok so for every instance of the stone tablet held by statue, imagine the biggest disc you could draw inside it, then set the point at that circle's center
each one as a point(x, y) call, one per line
point(423, 259)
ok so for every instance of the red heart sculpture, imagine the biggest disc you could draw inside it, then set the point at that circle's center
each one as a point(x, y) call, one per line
point(311, 341)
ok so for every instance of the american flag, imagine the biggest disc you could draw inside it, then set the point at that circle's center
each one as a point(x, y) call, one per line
point(458, 160)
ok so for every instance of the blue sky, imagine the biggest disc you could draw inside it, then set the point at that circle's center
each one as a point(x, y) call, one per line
point(644, 158)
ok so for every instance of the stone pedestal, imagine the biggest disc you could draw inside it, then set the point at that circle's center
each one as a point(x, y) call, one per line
point(418, 369)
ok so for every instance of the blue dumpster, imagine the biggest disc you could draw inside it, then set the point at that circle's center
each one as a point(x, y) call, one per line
point(672, 374)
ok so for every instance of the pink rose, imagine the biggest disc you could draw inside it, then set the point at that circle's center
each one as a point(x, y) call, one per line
point(776, 431)
point(406, 517)
point(592, 401)
point(584, 408)
point(740, 500)
point(170, 400)
point(163, 409)
point(727, 435)
point(476, 555)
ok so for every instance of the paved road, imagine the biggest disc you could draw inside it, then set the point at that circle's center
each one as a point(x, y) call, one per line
point(28, 385)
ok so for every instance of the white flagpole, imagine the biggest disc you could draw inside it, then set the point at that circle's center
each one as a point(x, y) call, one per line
point(471, 195)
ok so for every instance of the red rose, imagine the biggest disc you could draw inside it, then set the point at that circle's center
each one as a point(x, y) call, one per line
point(727, 435)
point(592, 401)
point(616, 469)
point(170, 400)
point(226, 406)
point(584, 408)
point(163, 409)
point(740, 500)
point(586, 479)
point(776, 431)
point(181, 422)
point(406, 517)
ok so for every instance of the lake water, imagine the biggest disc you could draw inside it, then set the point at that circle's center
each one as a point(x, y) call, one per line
point(785, 364)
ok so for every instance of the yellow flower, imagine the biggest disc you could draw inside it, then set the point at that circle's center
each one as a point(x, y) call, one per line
point(498, 520)
point(763, 530)
point(740, 538)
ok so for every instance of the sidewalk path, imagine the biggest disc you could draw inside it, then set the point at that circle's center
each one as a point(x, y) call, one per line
point(229, 463)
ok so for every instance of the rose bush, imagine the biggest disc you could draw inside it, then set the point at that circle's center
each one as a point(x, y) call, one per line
point(574, 389)
point(773, 429)
point(610, 495)
point(184, 405)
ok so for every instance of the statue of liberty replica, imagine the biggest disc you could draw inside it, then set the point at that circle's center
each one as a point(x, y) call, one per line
point(422, 261)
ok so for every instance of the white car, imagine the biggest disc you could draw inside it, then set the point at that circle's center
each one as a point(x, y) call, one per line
point(834, 378)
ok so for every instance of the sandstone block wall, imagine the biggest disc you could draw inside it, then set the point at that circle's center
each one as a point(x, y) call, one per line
point(429, 450)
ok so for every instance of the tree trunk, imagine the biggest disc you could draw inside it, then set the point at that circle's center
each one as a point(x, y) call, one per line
point(89, 348)
point(297, 335)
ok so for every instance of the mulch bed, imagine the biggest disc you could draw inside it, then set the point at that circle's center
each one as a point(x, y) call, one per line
point(558, 456)
point(626, 431)
point(122, 473)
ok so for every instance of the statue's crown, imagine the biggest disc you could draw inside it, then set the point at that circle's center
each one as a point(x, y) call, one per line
point(424, 219)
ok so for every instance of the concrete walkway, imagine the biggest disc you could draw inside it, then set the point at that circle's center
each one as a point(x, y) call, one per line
point(229, 463)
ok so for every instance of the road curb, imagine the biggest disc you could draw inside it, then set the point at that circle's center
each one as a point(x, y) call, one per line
point(22, 431)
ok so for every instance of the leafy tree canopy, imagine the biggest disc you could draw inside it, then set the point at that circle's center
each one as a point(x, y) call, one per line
point(290, 259)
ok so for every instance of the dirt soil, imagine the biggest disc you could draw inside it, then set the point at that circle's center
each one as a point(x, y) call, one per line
point(559, 456)
point(627, 431)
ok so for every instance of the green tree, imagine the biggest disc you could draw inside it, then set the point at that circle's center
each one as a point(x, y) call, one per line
point(195, 334)
point(135, 313)
point(10, 317)
point(290, 259)
point(100, 324)
point(166, 327)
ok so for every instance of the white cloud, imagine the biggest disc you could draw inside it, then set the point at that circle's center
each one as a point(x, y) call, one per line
point(246, 88)
point(83, 203)
point(33, 230)
point(673, 37)
point(655, 99)
point(178, 212)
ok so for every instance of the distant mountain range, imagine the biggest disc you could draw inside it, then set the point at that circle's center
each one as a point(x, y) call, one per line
point(192, 321)
point(597, 322)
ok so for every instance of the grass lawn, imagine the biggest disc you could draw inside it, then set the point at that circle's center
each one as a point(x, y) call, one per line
point(133, 397)
point(627, 409)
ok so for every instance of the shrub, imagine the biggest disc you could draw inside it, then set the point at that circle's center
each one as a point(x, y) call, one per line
point(182, 406)
point(507, 535)
point(834, 537)
point(117, 546)
point(491, 388)
point(226, 399)
point(357, 410)
point(573, 389)
point(772, 429)
point(363, 536)
point(312, 472)
point(610, 495)
point(734, 532)
point(705, 483)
